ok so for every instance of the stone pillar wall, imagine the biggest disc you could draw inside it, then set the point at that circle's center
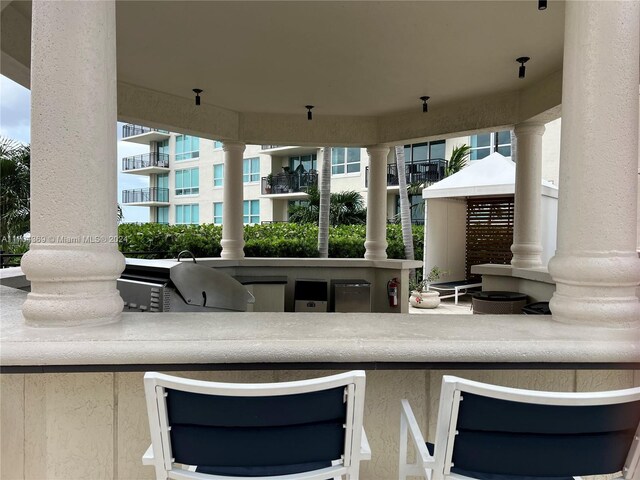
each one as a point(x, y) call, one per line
point(73, 262)
point(596, 267)
point(376, 241)
point(527, 246)
point(232, 197)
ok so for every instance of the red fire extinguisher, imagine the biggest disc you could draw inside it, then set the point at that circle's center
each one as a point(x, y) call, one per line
point(392, 291)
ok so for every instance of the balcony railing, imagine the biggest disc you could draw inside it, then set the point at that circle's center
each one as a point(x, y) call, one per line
point(426, 173)
point(131, 130)
point(146, 195)
point(289, 183)
point(146, 160)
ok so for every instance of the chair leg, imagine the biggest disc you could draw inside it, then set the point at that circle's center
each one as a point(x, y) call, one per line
point(404, 439)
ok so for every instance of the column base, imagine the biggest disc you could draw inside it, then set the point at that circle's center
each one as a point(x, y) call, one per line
point(526, 255)
point(232, 249)
point(375, 250)
point(598, 288)
point(72, 284)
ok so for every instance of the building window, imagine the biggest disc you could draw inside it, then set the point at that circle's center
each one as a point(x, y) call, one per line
point(217, 144)
point(251, 170)
point(187, 181)
point(218, 175)
point(345, 160)
point(422, 152)
point(251, 212)
point(162, 183)
point(163, 147)
point(187, 147)
point(303, 163)
point(217, 213)
point(186, 214)
point(484, 144)
point(416, 208)
point(162, 215)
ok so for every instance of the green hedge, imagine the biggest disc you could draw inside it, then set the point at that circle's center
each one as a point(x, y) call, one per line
point(269, 240)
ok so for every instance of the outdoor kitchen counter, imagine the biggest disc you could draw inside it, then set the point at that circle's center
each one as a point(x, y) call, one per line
point(321, 340)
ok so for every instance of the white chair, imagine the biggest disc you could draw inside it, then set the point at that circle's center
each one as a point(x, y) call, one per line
point(304, 430)
point(491, 432)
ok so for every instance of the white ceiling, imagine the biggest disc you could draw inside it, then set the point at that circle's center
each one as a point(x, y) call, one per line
point(346, 58)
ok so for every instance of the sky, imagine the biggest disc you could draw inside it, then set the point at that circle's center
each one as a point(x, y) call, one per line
point(15, 123)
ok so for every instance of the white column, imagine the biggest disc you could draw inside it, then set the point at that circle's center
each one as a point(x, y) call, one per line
point(596, 267)
point(376, 242)
point(73, 262)
point(527, 246)
point(232, 197)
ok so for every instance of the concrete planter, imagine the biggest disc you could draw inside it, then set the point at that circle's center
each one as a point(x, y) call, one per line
point(424, 299)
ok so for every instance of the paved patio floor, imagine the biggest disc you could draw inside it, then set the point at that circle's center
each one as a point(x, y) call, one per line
point(447, 306)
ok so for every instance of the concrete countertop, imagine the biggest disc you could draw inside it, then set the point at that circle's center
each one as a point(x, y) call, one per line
point(223, 338)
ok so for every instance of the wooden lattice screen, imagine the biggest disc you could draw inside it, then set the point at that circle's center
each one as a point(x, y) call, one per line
point(489, 231)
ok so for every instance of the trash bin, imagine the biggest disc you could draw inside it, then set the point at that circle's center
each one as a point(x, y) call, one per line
point(350, 296)
point(538, 308)
point(498, 303)
point(310, 296)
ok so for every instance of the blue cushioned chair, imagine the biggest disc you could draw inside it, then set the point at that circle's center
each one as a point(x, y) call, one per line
point(309, 429)
point(489, 432)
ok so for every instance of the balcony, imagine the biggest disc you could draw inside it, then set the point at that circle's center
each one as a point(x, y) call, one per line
point(146, 164)
point(143, 135)
point(146, 197)
point(424, 173)
point(293, 185)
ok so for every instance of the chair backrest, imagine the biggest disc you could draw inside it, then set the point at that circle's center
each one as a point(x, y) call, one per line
point(497, 430)
point(257, 430)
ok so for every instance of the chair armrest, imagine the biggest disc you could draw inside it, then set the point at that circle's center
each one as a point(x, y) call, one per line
point(365, 448)
point(415, 434)
point(147, 457)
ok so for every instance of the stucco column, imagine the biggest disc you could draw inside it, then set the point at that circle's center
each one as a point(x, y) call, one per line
point(232, 197)
point(376, 242)
point(73, 262)
point(596, 267)
point(527, 246)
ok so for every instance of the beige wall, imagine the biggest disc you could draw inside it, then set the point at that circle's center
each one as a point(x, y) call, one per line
point(94, 425)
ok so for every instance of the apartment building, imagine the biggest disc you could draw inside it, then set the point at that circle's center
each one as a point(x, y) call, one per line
point(186, 173)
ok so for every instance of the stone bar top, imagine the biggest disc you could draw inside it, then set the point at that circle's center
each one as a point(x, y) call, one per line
point(272, 338)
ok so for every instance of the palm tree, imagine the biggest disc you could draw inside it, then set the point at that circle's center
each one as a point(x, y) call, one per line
point(15, 163)
point(324, 205)
point(458, 160)
point(405, 210)
point(346, 208)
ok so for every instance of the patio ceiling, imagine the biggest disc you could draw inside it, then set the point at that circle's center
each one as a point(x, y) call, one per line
point(367, 61)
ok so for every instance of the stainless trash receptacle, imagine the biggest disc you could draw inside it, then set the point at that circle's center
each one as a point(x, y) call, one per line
point(350, 296)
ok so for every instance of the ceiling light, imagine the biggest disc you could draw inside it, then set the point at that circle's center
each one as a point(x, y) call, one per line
point(522, 61)
point(309, 114)
point(542, 4)
point(197, 91)
point(425, 107)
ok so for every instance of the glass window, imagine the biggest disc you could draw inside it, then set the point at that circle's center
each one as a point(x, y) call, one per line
point(218, 175)
point(217, 213)
point(217, 144)
point(251, 212)
point(188, 181)
point(484, 144)
point(420, 153)
point(186, 214)
point(437, 149)
point(251, 170)
point(162, 184)
point(345, 160)
point(162, 215)
point(306, 163)
point(163, 147)
point(187, 147)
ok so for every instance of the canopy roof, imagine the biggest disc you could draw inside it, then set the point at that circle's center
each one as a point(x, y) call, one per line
point(363, 65)
point(490, 176)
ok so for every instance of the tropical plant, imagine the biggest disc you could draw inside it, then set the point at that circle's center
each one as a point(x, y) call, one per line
point(458, 160)
point(324, 204)
point(346, 208)
point(405, 209)
point(15, 167)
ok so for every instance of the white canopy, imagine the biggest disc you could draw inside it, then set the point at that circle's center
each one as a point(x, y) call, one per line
point(493, 175)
